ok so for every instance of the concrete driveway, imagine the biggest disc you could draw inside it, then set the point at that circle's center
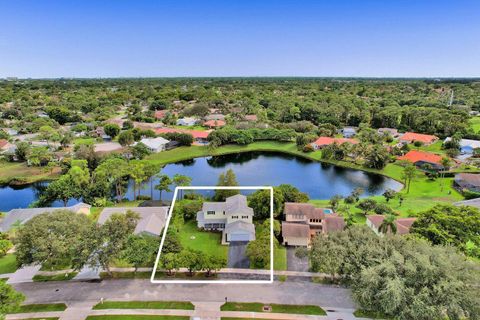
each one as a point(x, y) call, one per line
point(294, 263)
point(236, 255)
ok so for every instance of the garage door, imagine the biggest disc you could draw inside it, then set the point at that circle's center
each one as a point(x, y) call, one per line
point(239, 237)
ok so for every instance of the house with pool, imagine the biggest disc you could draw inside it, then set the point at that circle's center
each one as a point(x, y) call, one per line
point(233, 217)
point(304, 221)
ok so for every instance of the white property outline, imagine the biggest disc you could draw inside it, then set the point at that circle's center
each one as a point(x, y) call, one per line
point(170, 212)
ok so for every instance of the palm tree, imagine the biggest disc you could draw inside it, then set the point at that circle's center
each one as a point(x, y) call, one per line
point(408, 174)
point(163, 184)
point(388, 224)
point(180, 180)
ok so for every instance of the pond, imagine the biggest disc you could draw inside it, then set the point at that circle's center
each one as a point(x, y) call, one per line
point(318, 180)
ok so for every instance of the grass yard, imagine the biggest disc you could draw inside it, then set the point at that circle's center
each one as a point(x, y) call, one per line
point(20, 173)
point(276, 308)
point(136, 317)
point(475, 123)
point(280, 258)
point(8, 264)
point(57, 277)
point(144, 305)
point(126, 275)
point(28, 308)
point(370, 315)
point(204, 241)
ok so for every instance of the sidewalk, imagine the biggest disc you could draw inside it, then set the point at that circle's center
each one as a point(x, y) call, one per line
point(24, 274)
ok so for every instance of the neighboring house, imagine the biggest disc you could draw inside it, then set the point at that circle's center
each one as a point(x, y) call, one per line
point(4, 145)
point(214, 123)
point(160, 114)
point(303, 221)
point(393, 132)
point(468, 181)
point(20, 216)
point(466, 145)
point(403, 224)
point(411, 137)
point(251, 117)
point(215, 116)
point(420, 158)
point(233, 217)
point(152, 219)
point(157, 144)
point(349, 132)
point(471, 203)
point(187, 122)
point(325, 141)
point(10, 131)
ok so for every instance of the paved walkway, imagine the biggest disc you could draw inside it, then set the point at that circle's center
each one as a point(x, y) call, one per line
point(24, 274)
point(5, 275)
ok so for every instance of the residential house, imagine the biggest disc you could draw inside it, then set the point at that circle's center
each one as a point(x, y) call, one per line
point(107, 147)
point(349, 132)
point(199, 136)
point(152, 219)
point(467, 181)
point(466, 145)
point(233, 217)
point(187, 121)
point(214, 123)
point(157, 144)
point(411, 137)
point(403, 224)
point(19, 216)
point(421, 158)
point(303, 221)
point(390, 131)
point(4, 145)
point(325, 141)
point(215, 116)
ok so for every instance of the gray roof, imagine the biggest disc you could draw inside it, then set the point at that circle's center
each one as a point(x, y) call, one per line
point(23, 215)
point(240, 226)
point(472, 202)
point(235, 204)
point(154, 143)
point(152, 219)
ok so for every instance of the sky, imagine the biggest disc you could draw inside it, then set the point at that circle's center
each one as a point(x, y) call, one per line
point(336, 38)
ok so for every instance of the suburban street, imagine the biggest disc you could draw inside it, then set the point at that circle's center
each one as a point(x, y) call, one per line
point(328, 297)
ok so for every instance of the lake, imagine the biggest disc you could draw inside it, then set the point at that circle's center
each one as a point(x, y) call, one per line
point(318, 180)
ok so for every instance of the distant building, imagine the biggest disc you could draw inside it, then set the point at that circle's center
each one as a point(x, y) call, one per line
point(20, 216)
point(411, 137)
point(466, 145)
point(349, 132)
point(215, 116)
point(157, 144)
point(188, 121)
point(391, 131)
point(471, 203)
point(420, 158)
point(214, 123)
point(325, 141)
point(304, 221)
point(152, 219)
point(468, 181)
point(251, 117)
point(403, 224)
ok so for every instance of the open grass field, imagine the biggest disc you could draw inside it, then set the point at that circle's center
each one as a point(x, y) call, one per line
point(47, 307)
point(280, 258)
point(8, 264)
point(144, 305)
point(276, 308)
point(204, 241)
point(20, 173)
point(475, 123)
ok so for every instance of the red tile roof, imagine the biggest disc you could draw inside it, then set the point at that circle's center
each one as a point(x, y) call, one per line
point(403, 224)
point(333, 223)
point(412, 136)
point(214, 123)
point(415, 156)
point(251, 117)
point(3, 143)
point(160, 114)
point(325, 141)
point(197, 134)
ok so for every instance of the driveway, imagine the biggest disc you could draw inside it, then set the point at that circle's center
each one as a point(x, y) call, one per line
point(294, 263)
point(236, 255)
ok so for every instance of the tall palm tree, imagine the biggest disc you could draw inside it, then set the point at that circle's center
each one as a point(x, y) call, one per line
point(388, 224)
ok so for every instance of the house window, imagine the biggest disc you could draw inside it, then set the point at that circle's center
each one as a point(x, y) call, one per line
point(223, 212)
point(234, 217)
point(210, 212)
point(244, 217)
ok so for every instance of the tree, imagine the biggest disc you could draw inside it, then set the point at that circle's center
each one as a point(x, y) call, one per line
point(164, 183)
point(125, 138)
point(39, 156)
point(51, 238)
point(10, 300)
point(140, 250)
point(140, 151)
point(213, 263)
point(181, 180)
point(111, 129)
point(226, 179)
point(113, 173)
point(170, 261)
point(388, 224)
point(172, 243)
point(389, 194)
point(48, 134)
point(258, 252)
point(5, 245)
point(22, 150)
point(291, 194)
point(259, 201)
point(367, 205)
point(356, 193)
point(335, 201)
point(377, 157)
point(192, 260)
point(409, 172)
point(66, 139)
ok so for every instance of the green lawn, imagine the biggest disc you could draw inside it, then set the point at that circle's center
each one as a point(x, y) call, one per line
point(144, 305)
point(475, 123)
point(276, 308)
point(28, 308)
point(370, 315)
point(204, 241)
point(57, 277)
point(280, 258)
point(135, 317)
point(8, 264)
point(126, 275)
point(21, 173)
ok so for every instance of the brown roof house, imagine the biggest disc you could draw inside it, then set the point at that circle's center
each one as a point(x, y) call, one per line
point(468, 181)
point(403, 224)
point(303, 221)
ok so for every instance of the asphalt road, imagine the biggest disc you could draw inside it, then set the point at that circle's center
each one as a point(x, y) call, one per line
point(289, 292)
point(236, 255)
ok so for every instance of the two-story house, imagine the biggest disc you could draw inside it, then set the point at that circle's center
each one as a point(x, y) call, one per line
point(303, 221)
point(233, 217)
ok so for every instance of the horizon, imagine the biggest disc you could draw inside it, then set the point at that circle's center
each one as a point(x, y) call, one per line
point(270, 39)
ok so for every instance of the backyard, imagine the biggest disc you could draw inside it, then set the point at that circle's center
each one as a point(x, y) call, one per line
point(205, 241)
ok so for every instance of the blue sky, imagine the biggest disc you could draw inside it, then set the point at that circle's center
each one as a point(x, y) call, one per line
point(366, 38)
